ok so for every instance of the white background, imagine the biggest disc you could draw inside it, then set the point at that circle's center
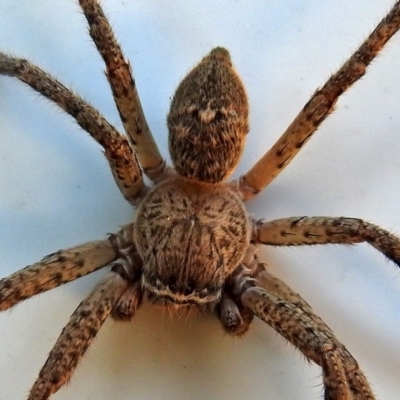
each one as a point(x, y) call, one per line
point(57, 191)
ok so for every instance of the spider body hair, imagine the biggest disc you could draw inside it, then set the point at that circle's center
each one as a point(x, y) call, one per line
point(208, 120)
point(193, 245)
point(190, 236)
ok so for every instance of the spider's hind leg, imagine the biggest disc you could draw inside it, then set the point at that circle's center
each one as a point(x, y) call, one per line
point(122, 160)
point(123, 86)
point(317, 109)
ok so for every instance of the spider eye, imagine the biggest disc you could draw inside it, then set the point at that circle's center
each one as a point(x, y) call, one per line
point(172, 286)
point(188, 290)
point(158, 285)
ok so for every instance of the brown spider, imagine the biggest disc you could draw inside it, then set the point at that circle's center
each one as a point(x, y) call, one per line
point(230, 272)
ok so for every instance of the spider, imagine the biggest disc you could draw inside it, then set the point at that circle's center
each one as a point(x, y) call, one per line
point(235, 291)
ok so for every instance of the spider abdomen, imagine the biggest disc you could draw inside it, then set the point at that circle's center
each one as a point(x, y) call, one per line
point(208, 120)
point(190, 236)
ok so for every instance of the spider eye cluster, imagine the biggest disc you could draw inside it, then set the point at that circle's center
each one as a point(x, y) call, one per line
point(187, 290)
point(190, 238)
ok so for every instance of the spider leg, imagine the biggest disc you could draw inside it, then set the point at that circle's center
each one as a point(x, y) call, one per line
point(297, 231)
point(119, 75)
point(77, 335)
point(61, 267)
point(285, 311)
point(122, 160)
point(358, 383)
point(320, 105)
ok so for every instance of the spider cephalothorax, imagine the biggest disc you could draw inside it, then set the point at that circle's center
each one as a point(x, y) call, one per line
point(192, 242)
point(191, 236)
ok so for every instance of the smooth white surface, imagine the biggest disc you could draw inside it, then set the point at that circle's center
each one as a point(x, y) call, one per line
point(57, 191)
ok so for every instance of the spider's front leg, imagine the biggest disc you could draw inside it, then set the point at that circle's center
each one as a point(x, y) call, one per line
point(78, 334)
point(275, 303)
point(119, 293)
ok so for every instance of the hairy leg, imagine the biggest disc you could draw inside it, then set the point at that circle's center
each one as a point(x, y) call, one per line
point(119, 74)
point(276, 304)
point(292, 317)
point(61, 267)
point(121, 158)
point(358, 383)
point(297, 231)
point(320, 105)
point(77, 336)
